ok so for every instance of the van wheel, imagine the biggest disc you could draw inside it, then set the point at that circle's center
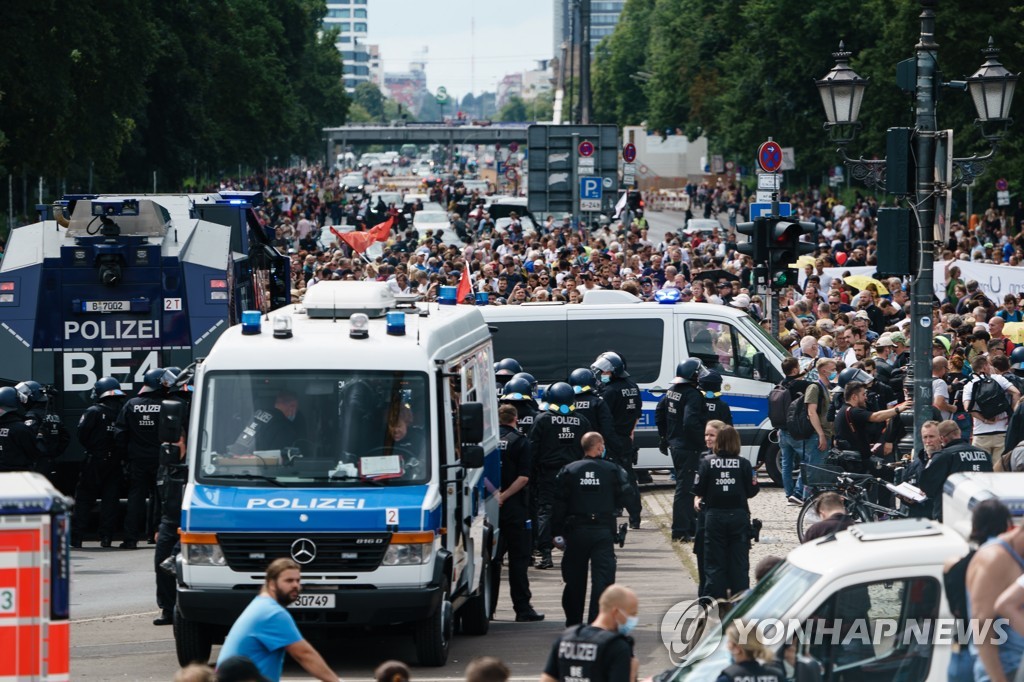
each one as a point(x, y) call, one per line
point(433, 635)
point(193, 641)
point(773, 462)
point(476, 612)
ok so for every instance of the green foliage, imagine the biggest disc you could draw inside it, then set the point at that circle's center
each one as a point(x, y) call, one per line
point(127, 87)
point(620, 67)
point(370, 98)
point(513, 110)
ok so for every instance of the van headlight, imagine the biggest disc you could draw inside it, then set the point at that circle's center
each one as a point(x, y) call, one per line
point(204, 555)
point(408, 555)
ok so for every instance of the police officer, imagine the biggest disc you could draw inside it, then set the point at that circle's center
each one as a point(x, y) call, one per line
point(723, 485)
point(623, 398)
point(555, 440)
point(19, 447)
point(504, 370)
point(135, 432)
point(46, 423)
point(514, 518)
point(590, 404)
point(531, 380)
point(744, 654)
point(100, 475)
point(274, 428)
point(710, 385)
point(1017, 361)
point(588, 491)
point(517, 393)
point(680, 421)
point(956, 455)
point(601, 651)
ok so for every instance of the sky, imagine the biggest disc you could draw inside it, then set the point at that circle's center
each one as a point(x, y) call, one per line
point(509, 36)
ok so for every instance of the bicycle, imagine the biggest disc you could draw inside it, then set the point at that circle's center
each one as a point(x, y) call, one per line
point(854, 489)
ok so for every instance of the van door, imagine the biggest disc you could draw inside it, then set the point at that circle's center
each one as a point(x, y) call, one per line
point(452, 476)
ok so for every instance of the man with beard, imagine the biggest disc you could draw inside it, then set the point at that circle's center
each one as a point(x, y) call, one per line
point(266, 630)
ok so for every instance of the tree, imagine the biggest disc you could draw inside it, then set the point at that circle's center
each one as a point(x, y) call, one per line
point(621, 65)
point(513, 110)
point(369, 96)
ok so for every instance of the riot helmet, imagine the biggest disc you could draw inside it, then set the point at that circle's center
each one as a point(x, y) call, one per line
point(710, 381)
point(152, 380)
point(853, 374)
point(517, 389)
point(690, 370)
point(10, 400)
point(561, 398)
point(529, 379)
point(609, 362)
point(1017, 357)
point(507, 367)
point(582, 379)
point(30, 392)
point(105, 388)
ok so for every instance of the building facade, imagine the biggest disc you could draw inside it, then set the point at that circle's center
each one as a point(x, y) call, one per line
point(350, 18)
point(604, 14)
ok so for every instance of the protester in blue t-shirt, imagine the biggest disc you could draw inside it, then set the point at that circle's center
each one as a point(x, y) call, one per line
point(266, 630)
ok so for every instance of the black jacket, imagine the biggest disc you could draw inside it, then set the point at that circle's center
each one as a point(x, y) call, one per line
point(680, 417)
point(956, 457)
point(622, 396)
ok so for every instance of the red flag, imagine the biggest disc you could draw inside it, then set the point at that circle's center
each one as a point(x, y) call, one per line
point(382, 230)
point(359, 241)
point(465, 285)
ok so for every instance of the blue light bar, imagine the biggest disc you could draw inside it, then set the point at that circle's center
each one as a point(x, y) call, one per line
point(482, 298)
point(251, 322)
point(447, 296)
point(396, 323)
point(667, 296)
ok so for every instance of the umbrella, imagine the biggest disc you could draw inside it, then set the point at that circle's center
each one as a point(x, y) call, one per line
point(716, 275)
point(806, 259)
point(862, 281)
point(1014, 331)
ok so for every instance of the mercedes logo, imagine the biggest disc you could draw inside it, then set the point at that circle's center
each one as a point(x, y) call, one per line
point(303, 551)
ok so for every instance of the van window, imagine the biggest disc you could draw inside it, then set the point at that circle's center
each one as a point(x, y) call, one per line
point(538, 346)
point(639, 342)
point(879, 630)
point(721, 347)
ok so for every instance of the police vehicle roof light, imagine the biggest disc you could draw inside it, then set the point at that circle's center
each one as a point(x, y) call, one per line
point(115, 207)
point(251, 323)
point(667, 296)
point(396, 323)
point(282, 326)
point(359, 326)
point(448, 296)
point(482, 298)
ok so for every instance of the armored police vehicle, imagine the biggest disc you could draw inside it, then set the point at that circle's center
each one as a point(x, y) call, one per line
point(551, 339)
point(118, 285)
point(358, 436)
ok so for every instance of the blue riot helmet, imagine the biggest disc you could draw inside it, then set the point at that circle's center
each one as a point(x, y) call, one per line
point(10, 400)
point(561, 398)
point(30, 392)
point(690, 370)
point(582, 379)
point(152, 380)
point(529, 378)
point(507, 367)
point(169, 376)
point(609, 362)
point(106, 387)
point(517, 389)
point(853, 374)
point(1017, 357)
point(710, 382)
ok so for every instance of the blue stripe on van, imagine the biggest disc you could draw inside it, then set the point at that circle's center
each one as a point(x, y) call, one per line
point(747, 410)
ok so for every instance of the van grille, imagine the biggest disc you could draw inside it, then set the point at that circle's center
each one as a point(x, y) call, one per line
point(247, 552)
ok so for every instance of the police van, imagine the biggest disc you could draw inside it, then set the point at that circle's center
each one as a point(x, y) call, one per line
point(551, 339)
point(357, 435)
point(869, 602)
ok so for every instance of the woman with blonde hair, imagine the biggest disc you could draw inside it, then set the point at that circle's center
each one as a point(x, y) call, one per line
point(748, 653)
point(711, 430)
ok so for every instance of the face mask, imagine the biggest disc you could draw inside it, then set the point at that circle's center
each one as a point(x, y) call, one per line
point(629, 625)
point(604, 453)
point(605, 379)
point(832, 376)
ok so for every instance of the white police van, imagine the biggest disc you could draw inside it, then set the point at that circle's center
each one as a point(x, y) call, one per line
point(358, 436)
point(551, 339)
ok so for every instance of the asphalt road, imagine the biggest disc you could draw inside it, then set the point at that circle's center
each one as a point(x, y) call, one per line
point(113, 604)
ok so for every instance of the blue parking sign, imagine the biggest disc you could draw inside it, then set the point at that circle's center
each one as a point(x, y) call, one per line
point(590, 187)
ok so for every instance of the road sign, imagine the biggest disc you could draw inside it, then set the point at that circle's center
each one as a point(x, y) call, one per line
point(511, 174)
point(730, 165)
point(1002, 198)
point(607, 182)
point(758, 210)
point(585, 162)
point(629, 169)
point(442, 94)
point(590, 187)
point(628, 179)
point(768, 181)
point(501, 167)
point(513, 147)
point(764, 196)
point(717, 164)
point(553, 159)
point(1002, 185)
point(629, 152)
point(586, 148)
point(769, 156)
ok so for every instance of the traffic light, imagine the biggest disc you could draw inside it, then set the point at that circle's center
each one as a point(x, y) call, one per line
point(785, 248)
point(757, 246)
point(897, 243)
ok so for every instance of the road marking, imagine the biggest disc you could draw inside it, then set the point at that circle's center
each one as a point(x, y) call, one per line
point(119, 617)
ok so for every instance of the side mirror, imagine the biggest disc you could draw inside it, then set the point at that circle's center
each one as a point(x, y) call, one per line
point(471, 423)
point(472, 456)
point(171, 414)
point(764, 371)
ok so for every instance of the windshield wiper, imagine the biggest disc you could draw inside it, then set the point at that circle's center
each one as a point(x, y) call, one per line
point(249, 477)
point(344, 479)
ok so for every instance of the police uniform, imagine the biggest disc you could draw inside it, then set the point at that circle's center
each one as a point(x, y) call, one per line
point(172, 475)
point(515, 537)
point(554, 442)
point(715, 407)
point(586, 653)
point(135, 432)
point(956, 457)
point(526, 414)
point(588, 492)
point(269, 429)
point(53, 435)
point(596, 410)
point(680, 421)
point(622, 396)
point(100, 475)
point(19, 447)
point(725, 484)
point(749, 671)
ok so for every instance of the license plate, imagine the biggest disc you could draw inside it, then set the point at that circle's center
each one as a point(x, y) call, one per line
point(106, 306)
point(313, 601)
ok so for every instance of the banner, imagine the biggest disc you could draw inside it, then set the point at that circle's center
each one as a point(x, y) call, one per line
point(995, 281)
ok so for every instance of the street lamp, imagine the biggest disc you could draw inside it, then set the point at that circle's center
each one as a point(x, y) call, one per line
point(909, 171)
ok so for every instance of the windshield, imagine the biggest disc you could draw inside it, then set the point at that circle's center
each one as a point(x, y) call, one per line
point(293, 428)
point(431, 217)
point(773, 597)
point(755, 329)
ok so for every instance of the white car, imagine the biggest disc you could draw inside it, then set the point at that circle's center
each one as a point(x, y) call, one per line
point(387, 197)
point(353, 182)
point(423, 167)
point(430, 220)
point(529, 227)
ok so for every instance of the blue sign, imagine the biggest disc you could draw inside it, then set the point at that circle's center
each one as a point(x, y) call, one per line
point(590, 187)
point(501, 168)
point(758, 210)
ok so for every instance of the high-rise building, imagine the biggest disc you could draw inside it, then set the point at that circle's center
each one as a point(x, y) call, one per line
point(604, 14)
point(350, 18)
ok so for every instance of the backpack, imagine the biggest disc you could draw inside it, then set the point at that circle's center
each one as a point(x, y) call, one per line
point(955, 582)
point(988, 398)
point(779, 400)
point(798, 424)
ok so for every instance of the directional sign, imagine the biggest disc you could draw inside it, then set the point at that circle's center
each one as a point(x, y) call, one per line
point(586, 148)
point(764, 196)
point(768, 181)
point(758, 210)
point(629, 169)
point(769, 157)
point(1002, 185)
point(590, 187)
point(629, 152)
